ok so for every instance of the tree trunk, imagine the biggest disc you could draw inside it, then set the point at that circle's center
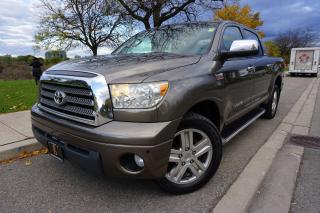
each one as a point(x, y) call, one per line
point(94, 50)
point(147, 25)
point(156, 17)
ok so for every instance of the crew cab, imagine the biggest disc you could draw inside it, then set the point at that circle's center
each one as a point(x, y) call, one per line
point(162, 105)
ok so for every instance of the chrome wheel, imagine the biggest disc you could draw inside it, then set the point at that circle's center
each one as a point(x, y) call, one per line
point(274, 102)
point(190, 156)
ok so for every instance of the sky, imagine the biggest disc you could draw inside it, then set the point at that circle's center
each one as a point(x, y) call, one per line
point(19, 18)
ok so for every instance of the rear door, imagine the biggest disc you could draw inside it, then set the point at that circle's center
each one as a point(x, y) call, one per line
point(262, 73)
point(237, 76)
point(316, 60)
point(304, 60)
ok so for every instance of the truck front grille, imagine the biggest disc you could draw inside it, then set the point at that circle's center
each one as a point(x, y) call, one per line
point(80, 102)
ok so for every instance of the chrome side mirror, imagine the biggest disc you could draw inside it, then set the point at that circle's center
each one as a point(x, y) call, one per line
point(244, 45)
point(241, 48)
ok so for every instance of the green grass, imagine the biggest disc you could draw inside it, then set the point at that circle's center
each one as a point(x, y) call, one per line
point(17, 95)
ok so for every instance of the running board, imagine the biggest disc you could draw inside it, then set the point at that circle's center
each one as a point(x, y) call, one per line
point(232, 130)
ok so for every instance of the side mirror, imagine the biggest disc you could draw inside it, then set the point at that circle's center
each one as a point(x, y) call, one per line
point(240, 48)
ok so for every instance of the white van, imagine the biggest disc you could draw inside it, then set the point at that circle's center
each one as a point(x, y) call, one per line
point(305, 61)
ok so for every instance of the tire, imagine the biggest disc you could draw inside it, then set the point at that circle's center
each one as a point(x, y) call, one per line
point(292, 74)
point(196, 169)
point(270, 108)
point(315, 75)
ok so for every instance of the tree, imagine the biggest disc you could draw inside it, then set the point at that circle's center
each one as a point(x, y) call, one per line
point(272, 49)
point(153, 13)
point(293, 38)
point(73, 23)
point(243, 15)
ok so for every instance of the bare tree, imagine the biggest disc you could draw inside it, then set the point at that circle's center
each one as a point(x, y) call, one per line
point(153, 13)
point(73, 23)
point(294, 38)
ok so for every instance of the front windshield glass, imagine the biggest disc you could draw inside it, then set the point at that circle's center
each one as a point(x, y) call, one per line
point(190, 39)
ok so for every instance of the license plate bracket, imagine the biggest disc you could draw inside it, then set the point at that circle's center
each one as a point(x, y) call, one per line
point(55, 150)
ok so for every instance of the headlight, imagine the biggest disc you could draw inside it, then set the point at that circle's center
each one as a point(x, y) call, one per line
point(144, 95)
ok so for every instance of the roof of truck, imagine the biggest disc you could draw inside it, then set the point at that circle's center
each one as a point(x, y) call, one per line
point(203, 22)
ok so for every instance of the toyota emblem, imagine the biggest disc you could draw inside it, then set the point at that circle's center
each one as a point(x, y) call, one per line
point(59, 97)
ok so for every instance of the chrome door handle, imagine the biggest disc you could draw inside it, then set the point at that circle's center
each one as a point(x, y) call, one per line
point(251, 69)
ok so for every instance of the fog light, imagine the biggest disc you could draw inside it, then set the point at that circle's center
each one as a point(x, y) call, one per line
point(139, 161)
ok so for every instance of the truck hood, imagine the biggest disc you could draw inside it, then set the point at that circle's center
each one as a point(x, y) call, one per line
point(133, 68)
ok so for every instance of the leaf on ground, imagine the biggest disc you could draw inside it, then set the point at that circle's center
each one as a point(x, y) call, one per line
point(25, 154)
point(28, 162)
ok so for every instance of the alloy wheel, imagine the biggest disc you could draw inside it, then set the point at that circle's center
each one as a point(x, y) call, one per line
point(190, 156)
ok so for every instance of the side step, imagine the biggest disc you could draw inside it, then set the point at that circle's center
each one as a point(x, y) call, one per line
point(236, 127)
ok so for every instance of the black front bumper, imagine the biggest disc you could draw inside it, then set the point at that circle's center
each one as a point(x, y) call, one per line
point(87, 159)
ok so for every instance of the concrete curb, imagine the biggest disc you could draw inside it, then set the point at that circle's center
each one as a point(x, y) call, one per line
point(14, 149)
point(278, 187)
point(243, 190)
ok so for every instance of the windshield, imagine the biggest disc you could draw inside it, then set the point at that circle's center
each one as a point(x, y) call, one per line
point(181, 39)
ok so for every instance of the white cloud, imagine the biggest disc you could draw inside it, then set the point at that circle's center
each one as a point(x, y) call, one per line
point(19, 18)
point(18, 25)
point(18, 21)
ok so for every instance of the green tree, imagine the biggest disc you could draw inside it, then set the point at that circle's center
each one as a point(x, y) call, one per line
point(6, 59)
point(272, 49)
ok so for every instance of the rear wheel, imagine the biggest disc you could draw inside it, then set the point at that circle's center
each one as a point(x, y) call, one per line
point(272, 105)
point(194, 157)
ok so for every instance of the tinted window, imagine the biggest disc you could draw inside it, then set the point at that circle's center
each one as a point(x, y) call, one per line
point(230, 34)
point(186, 39)
point(252, 36)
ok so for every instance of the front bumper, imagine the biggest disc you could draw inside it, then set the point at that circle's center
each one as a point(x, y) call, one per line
point(99, 149)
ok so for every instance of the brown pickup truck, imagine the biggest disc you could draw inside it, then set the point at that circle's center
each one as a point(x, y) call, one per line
point(162, 105)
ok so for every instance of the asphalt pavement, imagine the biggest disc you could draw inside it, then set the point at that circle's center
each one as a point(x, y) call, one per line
point(46, 185)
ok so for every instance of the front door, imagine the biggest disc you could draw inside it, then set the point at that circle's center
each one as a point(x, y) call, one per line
point(262, 74)
point(237, 74)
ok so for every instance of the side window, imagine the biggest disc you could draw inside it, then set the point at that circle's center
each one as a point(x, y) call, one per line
point(230, 34)
point(252, 36)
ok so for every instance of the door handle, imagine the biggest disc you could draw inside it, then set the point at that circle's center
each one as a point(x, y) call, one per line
point(251, 69)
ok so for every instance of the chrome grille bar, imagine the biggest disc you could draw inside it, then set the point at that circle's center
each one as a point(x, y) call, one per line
point(69, 99)
point(68, 108)
point(75, 91)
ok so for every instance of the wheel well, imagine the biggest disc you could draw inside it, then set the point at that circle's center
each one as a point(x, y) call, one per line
point(209, 110)
point(279, 82)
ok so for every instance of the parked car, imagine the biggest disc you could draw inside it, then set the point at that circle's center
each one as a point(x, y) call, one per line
point(305, 61)
point(162, 105)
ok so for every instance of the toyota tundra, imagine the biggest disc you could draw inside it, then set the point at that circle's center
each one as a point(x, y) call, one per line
point(162, 105)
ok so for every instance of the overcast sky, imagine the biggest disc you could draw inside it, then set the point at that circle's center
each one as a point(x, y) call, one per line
point(18, 22)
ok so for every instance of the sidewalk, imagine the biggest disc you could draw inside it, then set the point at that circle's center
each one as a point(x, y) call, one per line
point(16, 134)
point(307, 192)
point(292, 183)
point(268, 181)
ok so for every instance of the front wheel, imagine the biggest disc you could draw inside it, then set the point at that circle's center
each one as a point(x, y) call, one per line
point(194, 157)
point(272, 105)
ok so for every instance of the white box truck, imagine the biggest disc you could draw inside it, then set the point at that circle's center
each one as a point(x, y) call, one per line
point(305, 61)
